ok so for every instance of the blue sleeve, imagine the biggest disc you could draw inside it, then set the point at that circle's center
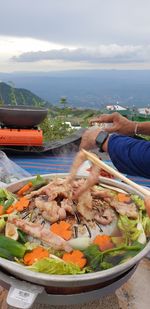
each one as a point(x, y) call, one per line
point(130, 155)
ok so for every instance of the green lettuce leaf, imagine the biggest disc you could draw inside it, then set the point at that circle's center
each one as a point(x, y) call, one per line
point(55, 267)
point(99, 260)
point(128, 228)
point(6, 197)
point(2, 224)
point(146, 225)
point(94, 256)
point(115, 256)
point(118, 240)
point(106, 265)
point(38, 182)
point(138, 201)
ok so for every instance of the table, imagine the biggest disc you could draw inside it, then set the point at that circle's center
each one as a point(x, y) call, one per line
point(47, 164)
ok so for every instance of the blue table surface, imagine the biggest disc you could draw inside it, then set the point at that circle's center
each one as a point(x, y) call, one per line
point(47, 164)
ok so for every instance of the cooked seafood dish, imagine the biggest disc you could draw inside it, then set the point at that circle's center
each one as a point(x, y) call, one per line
point(47, 227)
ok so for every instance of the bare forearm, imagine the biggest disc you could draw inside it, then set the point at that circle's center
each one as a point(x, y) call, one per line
point(143, 128)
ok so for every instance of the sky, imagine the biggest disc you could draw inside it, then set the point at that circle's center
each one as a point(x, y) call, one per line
point(47, 35)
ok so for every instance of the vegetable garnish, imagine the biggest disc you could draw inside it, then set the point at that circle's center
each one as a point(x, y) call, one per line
point(80, 243)
point(1, 209)
point(20, 205)
point(128, 228)
point(36, 254)
point(38, 182)
point(124, 198)
point(104, 242)
point(25, 188)
point(138, 201)
point(5, 195)
point(33, 184)
point(62, 229)
point(96, 258)
point(2, 223)
point(8, 203)
point(75, 257)
point(56, 267)
point(11, 209)
point(12, 246)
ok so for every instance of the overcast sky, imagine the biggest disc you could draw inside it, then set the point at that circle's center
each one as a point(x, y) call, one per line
point(45, 35)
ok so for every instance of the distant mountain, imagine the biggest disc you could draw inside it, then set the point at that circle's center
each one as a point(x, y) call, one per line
point(13, 96)
point(87, 88)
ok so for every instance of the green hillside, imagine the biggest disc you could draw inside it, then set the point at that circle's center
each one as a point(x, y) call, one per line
point(17, 96)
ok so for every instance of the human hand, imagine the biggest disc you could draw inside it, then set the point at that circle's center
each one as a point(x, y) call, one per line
point(88, 140)
point(147, 204)
point(120, 124)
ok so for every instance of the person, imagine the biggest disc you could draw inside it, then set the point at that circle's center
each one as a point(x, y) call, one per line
point(122, 125)
point(128, 154)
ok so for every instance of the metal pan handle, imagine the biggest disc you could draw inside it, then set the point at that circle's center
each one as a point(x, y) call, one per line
point(21, 294)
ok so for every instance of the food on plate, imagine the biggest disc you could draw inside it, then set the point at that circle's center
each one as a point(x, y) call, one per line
point(31, 257)
point(46, 227)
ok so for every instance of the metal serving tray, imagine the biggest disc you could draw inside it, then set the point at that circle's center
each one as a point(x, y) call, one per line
point(23, 294)
point(72, 280)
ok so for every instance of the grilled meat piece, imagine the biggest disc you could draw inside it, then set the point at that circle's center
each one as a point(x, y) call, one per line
point(44, 234)
point(130, 210)
point(84, 205)
point(104, 218)
point(104, 194)
point(90, 181)
point(79, 159)
point(58, 186)
point(67, 205)
point(53, 212)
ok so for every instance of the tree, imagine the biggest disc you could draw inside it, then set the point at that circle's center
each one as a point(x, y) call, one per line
point(1, 100)
point(63, 101)
point(12, 95)
point(23, 102)
point(37, 103)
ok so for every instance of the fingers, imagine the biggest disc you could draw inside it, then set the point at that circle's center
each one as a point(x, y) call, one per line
point(94, 120)
point(104, 118)
point(111, 129)
point(107, 118)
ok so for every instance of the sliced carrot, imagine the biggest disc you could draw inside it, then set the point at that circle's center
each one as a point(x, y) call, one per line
point(124, 198)
point(63, 229)
point(1, 209)
point(11, 209)
point(36, 254)
point(104, 242)
point(25, 188)
point(76, 257)
point(20, 205)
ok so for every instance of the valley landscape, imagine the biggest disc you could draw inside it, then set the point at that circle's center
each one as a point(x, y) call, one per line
point(92, 89)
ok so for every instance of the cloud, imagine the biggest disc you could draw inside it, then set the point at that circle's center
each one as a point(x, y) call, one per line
point(74, 33)
point(112, 53)
point(73, 22)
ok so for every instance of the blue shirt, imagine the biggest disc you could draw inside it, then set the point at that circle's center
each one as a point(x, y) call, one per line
point(130, 155)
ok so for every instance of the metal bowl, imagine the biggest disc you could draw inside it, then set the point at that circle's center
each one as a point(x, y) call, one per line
point(74, 281)
point(22, 116)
